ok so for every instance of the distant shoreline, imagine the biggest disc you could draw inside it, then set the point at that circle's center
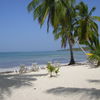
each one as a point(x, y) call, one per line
point(75, 49)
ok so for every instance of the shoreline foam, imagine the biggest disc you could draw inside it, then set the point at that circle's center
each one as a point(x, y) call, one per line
point(16, 68)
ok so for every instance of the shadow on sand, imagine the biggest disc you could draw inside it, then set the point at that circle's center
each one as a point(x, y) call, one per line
point(94, 81)
point(15, 81)
point(40, 75)
point(90, 93)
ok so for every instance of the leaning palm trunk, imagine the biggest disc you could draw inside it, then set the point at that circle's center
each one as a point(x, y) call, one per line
point(81, 48)
point(93, 62)
point(98, 64)
point(72, 61)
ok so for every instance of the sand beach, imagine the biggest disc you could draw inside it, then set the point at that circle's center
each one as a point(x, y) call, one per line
point(77, 82)
point(33, 66)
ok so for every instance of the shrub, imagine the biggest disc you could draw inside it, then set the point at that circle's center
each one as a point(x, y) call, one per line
point(22, 69)
point(56, 70)
point(52, 69)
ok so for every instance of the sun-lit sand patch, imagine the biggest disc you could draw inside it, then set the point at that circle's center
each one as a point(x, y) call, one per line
point(79, 82)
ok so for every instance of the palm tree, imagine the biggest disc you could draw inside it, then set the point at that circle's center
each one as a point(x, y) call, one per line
point(86, 31)
point(64, 29)
point(57, 12)
point(82, 24)
point(86, 28)
point(67, 20)
point(52, 10)
point(95, 55)
point(62, 33)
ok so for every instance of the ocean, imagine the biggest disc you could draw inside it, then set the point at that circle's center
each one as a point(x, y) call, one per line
point(13, 59)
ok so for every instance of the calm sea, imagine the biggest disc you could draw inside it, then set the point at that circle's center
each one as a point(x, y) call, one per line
point(13, 59)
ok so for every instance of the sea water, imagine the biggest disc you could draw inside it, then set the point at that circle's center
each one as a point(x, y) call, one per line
point(13, 59)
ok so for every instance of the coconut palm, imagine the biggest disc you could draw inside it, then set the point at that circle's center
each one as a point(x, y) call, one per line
point(65, 34)
point(82, 24)
point(52, 10)
point(86, 28)
point(68, 21)
point(56, 12)
point(65, 29)
point(95, 56)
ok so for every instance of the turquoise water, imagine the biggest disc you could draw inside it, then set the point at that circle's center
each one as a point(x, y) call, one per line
point(13, 59)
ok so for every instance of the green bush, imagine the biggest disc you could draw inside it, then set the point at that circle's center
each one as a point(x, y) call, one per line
point(52, 69)
point(22, 69)
point(95, 57)
point(56, 70)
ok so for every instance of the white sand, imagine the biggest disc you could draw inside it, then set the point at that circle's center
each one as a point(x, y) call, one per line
point(73, 83)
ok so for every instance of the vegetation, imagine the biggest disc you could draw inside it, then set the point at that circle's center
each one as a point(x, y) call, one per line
point(22, 69)
point(75, 49)
point(57, 71)
point(51, 69)
point(70, 22)
point(95, 57)
point(55, 11)
point(64, 29)
point(86, 29)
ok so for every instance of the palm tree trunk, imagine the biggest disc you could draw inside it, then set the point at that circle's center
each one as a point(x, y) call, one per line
point(72, 61)
point(98, 64)
point(81, 48)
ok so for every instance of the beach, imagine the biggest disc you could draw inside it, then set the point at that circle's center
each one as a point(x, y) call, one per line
point(49, 50)
point(77, 82)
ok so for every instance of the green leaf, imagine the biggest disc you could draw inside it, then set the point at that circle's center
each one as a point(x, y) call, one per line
point(96, 18)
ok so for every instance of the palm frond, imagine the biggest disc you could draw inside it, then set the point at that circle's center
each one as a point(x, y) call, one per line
point(32, 5)
point(96, 18)
point(92, 10)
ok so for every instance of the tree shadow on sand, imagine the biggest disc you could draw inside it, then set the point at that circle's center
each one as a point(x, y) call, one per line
point(40, 75)
point(90, 93)
point(15, 81)
point(94, 81)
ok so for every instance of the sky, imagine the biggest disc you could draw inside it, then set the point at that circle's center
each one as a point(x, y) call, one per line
point(19, 32)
